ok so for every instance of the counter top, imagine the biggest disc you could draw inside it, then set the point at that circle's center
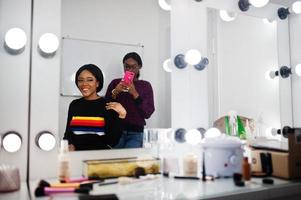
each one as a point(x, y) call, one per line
point(170, 188)
point(21, 194)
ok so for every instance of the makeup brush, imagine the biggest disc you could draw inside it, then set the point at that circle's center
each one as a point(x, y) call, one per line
point(44, 191)
point(44, 183)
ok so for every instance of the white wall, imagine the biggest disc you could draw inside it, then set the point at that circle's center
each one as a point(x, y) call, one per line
point(295, 41)
point(130, 22)
point(190, 87)
point(14, 81)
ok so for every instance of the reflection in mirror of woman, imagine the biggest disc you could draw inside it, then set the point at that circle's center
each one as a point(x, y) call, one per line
point(138, 99)
point(93, 122)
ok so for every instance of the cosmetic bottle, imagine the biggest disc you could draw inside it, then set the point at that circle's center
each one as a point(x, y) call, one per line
point(63, 162)
point(246, 169)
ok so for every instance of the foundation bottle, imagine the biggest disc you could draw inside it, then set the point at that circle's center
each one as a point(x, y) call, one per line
point(63, 162)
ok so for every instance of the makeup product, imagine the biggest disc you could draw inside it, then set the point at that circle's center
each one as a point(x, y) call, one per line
point(75, 180)
point(64, 162)
point(99, 197)
point(44, 191)
point(187, 177)
point(44, 183)
point(268, 181)
point(204, 168)
point(9, 178)
point(190, 165)
point(246, 169)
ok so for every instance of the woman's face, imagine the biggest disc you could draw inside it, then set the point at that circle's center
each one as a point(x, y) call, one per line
point(87, 84)
point(131, 65)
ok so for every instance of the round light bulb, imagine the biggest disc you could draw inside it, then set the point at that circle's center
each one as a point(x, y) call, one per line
point(268, 21)
point(193, 57)
point(48, 43)
point(298, 69)
point(164, 5)
point(269, 75)
point(12, 142)
point(296, 7)
point(193, 137)
point(212, 132)
point(46, 141)
point(15, 38)
point(259, 3)
point(166, 65)
point(227, 16)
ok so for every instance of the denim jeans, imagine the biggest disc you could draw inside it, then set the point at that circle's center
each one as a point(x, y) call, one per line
point(130, 139)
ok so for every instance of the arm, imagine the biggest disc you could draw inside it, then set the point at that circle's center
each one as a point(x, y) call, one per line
point(113, 128)
point(68, 132)
point(144, 100)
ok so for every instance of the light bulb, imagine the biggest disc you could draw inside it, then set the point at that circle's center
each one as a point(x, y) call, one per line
point(164, 5)
point(46, 141)
point(15, 38)
point(227, 16)
point(48, 43)
point(269, 75)
point(193, 137)
point(212, 132)
point(298, 69)
point(166, 65)
point(12, 142)
point(193, 57)
point(259, 3)
point(296, 7)
point(268, 21)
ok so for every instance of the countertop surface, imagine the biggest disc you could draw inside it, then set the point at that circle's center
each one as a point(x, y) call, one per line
point(171, 188)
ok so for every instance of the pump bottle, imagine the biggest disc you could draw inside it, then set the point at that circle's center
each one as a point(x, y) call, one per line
point(63, 162)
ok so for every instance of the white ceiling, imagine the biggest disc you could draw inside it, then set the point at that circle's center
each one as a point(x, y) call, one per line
point(286, 3)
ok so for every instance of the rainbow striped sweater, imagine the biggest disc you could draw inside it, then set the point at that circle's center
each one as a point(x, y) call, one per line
point(91, 126)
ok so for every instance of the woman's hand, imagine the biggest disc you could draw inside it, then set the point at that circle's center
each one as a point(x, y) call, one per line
point(121, 87)
point(132, 90)
point(71, 147)
point(118, 108)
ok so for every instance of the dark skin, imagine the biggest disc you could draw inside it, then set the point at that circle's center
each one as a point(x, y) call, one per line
point(133, 66)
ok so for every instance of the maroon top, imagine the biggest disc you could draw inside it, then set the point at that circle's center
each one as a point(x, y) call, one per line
point(137, 109)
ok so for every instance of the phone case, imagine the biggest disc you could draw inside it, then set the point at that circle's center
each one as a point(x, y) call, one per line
point(128, 77)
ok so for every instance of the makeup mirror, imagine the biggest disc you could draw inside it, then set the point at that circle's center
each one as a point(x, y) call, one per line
point(121, 23)
point(242, 52)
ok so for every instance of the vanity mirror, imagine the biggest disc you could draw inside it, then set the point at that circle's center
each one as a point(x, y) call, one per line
point(243, 51)
point(102, 32)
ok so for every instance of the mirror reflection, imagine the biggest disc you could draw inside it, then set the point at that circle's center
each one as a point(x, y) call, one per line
point(113, 29)
point(239, 83)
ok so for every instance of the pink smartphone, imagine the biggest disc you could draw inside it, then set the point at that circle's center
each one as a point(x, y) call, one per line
point(128, 77)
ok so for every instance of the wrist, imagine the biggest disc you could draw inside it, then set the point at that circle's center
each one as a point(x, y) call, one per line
point(114, 93)
point(135, 95)
point(122, 115)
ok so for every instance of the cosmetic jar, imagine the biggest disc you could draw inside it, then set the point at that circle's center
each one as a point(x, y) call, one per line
point(9, 178)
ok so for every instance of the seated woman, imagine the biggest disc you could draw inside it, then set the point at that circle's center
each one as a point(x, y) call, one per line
point(93, 122)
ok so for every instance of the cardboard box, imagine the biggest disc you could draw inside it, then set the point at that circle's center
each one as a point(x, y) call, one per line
point(281, 164)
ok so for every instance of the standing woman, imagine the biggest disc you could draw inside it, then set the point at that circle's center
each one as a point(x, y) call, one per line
point(137, 98)
point(93, 122)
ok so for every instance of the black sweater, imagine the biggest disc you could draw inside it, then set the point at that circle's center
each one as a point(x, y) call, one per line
point(91, 126)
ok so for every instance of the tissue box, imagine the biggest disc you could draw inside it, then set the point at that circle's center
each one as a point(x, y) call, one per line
point(108, 168)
